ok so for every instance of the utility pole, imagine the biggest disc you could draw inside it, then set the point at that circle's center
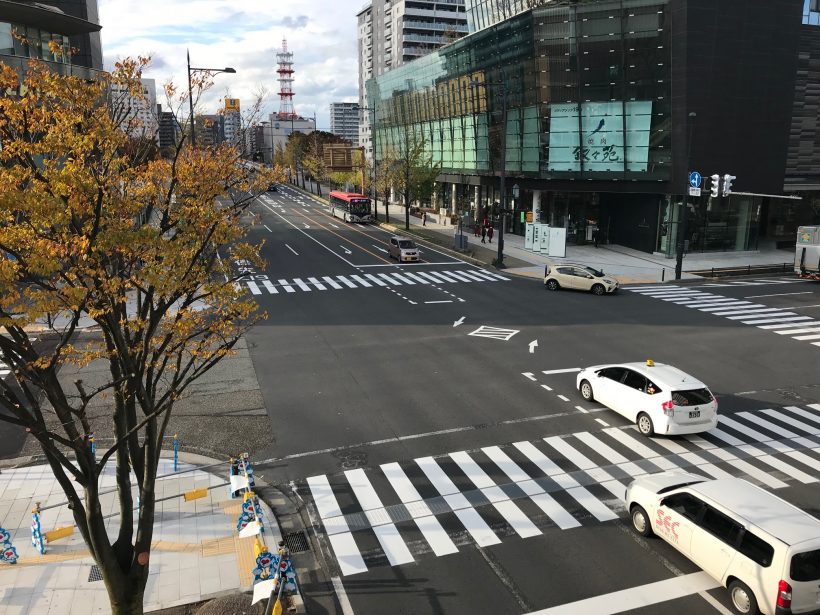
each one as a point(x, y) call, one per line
point(684, 221)
point(406, 180)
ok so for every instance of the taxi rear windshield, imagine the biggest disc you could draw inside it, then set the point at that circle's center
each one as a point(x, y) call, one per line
point(805, 566)
point(692, 397)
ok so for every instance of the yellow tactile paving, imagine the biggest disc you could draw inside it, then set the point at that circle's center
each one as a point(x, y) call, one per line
point(245, 560)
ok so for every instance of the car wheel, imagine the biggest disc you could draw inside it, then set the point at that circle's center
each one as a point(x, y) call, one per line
point(553, 284)
point(645, 424)
point(586, 390)
point(598, 289)
point(640, 521)
point(742, 599)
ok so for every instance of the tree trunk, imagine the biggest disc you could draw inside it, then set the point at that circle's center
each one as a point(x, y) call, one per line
point(125, 599)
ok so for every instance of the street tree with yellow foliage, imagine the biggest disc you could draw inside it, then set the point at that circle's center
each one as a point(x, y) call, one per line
point(100, 235)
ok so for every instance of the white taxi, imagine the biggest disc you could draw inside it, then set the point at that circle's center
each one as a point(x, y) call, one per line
point(658, 398)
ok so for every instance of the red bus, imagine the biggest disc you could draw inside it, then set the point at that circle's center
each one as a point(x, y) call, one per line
point(350, 207)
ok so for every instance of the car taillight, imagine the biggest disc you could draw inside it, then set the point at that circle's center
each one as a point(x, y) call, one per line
point(668, 410)
point(784, 594)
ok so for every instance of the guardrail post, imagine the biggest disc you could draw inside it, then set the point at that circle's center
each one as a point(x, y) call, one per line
point(663, 274)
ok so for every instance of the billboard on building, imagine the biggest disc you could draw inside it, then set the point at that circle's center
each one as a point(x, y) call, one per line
point(596, 143)
point(231, 104)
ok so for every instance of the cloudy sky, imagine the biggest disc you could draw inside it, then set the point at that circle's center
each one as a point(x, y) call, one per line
point(245, 35)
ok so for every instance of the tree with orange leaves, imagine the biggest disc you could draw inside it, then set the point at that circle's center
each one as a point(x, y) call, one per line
point(97, 231)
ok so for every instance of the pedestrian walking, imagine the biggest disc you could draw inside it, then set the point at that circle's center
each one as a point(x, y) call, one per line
point(490, 234)
point(476, 229)
point(595, 237)
point(483, 233)
point(424, 218)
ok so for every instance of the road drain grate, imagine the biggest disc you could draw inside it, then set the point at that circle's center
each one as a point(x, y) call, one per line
point(94, 574)
point(297, 542)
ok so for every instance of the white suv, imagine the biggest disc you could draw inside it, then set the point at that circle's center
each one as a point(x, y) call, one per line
point(658, 398)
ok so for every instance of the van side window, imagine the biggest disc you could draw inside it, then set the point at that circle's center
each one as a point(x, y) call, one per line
point(756, 549)
point(805, 567)
point(721, 526)
point(684, 504)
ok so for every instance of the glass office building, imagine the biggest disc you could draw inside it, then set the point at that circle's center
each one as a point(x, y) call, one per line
point(579, 97)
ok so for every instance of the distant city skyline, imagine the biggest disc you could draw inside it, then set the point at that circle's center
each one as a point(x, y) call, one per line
point(246, 37)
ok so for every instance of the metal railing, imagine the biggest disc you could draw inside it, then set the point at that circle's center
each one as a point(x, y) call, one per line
point(722, 272)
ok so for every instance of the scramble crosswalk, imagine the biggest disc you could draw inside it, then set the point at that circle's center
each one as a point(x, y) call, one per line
point(437, 505)
point(259, 285)
point(779, 320)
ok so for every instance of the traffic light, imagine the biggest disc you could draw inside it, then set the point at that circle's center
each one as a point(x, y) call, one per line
point(715, 186)
point(727, 184)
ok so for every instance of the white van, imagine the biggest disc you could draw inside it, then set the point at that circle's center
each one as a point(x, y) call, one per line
point(763, 549)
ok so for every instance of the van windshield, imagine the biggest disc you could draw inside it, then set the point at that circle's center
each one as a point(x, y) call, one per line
point(805, 566)
point(406, 244)
point(692, 397)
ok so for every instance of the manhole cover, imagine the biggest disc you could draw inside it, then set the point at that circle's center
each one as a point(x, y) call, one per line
point(94, 574)
point(297, 542)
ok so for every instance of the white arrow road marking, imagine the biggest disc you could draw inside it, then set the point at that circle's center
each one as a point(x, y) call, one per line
point(291, 249)
point(460, 321)
point(533, 345)
point(378, 248)
point(333, 225)
point(305, 224)
point(345, 249)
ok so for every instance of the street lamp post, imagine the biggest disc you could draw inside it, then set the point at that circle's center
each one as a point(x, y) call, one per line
point(227, 69)
point(499, 261)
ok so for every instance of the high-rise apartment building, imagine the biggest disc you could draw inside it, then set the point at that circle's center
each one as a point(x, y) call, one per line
point(169, 131)
point(137, 116)
point(344, 120)
point(392, 33)
point(232, 124)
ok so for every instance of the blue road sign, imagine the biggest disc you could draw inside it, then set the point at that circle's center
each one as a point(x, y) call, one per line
point(695, 179)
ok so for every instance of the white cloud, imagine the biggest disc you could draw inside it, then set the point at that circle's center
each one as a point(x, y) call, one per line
point(244, 35)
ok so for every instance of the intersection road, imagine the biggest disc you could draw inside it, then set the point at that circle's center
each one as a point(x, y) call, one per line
point(446, 468)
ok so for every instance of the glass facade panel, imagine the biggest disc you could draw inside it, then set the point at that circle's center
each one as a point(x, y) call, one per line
point(586, 89)
point(811, 12)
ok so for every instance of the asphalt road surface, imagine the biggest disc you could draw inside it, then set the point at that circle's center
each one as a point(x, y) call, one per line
point(427, 418)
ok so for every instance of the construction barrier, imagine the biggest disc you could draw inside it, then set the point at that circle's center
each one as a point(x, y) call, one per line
point(8, 553)
point(60, 532)
point(273, 575)
point(36, 531)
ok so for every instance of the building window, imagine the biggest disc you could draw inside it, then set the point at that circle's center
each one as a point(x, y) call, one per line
point(811, 12)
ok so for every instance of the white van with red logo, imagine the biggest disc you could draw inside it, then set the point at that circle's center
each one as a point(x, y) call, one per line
point(763, 549)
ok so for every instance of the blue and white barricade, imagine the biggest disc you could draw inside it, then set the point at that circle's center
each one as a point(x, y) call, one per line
point(36, 531)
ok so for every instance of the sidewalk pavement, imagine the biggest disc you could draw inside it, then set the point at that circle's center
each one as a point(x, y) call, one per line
point(196, 553)
point(627, 265)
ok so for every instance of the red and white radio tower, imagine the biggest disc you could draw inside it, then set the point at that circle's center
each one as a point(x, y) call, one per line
point(284, 59)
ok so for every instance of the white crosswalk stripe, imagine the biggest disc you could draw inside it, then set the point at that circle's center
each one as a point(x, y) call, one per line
point(779, 320)
point(570, 479)
point(370, 280)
